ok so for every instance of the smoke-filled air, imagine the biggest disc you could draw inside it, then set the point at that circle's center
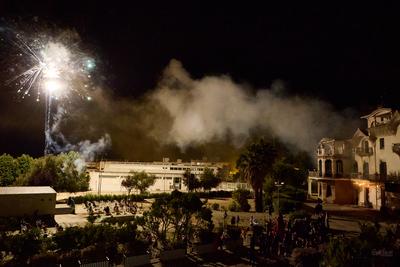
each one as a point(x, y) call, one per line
point(208, 117)
point(210, 107)
point(183, 117)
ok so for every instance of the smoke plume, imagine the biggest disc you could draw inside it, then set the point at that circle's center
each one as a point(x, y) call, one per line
point(210, 107)
point(86, 148)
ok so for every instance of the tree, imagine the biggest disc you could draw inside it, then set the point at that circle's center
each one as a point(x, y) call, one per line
point(23, 164)
point(138, 180)
point(288, 173)
point(7, 170)
point(190, 181)
point(224, 173)
point(172, 214)
point(255, 163)
point(60, 172)
point(209, 180)
point(241, 196)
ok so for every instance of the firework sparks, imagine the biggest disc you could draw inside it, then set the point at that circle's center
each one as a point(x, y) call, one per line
point(54, 69)
point(52, 66)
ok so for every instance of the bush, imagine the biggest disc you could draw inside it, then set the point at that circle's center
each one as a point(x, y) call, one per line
point(214, 194)
point(142, 197)
point(241, 196)
point(44, 259)
point(305, 257)
point(70, 258)
point(215, 206)
point(233, 206)
point(92, 197)
point(93, 253)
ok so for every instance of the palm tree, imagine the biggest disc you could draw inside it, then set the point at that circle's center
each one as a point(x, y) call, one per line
point(255, 163)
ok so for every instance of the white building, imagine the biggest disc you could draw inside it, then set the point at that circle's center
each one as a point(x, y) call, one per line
point(363, 170)
point(106, 176)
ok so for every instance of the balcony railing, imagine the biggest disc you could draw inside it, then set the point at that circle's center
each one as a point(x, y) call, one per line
point(369, 177)
point(396, 148)
point(313, 174)
point(363, 151)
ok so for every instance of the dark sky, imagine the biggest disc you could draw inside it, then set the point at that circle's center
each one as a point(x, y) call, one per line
point(346, 55)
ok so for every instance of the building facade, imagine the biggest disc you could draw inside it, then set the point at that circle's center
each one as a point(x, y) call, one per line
point(22, 201)
point(106, 176)
point(363, 170)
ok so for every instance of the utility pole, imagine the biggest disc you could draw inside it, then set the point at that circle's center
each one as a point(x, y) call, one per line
point(279, 184)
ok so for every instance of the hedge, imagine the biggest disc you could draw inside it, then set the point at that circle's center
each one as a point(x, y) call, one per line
point(142, 197)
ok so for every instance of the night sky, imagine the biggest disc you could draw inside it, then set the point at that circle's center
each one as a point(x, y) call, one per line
point(346, 55)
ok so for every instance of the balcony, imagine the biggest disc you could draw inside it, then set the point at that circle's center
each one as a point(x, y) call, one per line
point(369, 177)
point(363, 151)
point(313, 174)
point(396, 148)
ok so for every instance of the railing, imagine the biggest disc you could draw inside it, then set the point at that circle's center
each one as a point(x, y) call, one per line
point(325, 152)
point(313, 174)
point(370, 177)
point(363, 152)
point(105, 263)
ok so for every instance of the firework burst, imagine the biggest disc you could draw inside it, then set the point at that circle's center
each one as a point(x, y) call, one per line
point(52, 66)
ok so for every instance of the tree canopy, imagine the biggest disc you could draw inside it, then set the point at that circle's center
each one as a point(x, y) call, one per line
point(58, 171)
point(191, 181)
point(208, 179)
point(138, 180)
point(255, 163)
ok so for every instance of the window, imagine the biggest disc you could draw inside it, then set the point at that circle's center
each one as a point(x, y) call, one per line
point(314, 187)
point(382, 143)
point(366, 146)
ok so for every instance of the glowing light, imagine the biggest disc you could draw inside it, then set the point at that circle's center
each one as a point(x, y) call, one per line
point(90, 64)
point(52, 86)
point(54, 66)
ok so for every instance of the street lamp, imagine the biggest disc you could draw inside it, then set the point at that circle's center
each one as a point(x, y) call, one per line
point(279, 185)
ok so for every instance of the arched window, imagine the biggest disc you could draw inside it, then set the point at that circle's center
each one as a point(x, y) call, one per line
point(365, 146)
point(320, 168)
point(355, 167)
point(328, 168)
point(365, 170)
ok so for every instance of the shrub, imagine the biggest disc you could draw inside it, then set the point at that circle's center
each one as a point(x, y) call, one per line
point(215, 206)
point(92, 253)
point(241, 196)
point(44, 259)
point(305, 257)
point(70, 258)
point(142, 197)
point(233, 206)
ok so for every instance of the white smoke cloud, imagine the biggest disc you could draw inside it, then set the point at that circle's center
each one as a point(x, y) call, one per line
point(209, 107)
point(86, 149)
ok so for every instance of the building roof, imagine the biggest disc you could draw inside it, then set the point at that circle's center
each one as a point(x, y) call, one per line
point(28, 190)
point(377, 112)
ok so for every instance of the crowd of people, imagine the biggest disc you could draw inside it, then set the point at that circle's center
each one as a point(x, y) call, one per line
point(118, 207)
point(277, 237)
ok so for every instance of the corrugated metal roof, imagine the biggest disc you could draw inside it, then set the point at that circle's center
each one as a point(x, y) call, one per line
point(14, 190)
